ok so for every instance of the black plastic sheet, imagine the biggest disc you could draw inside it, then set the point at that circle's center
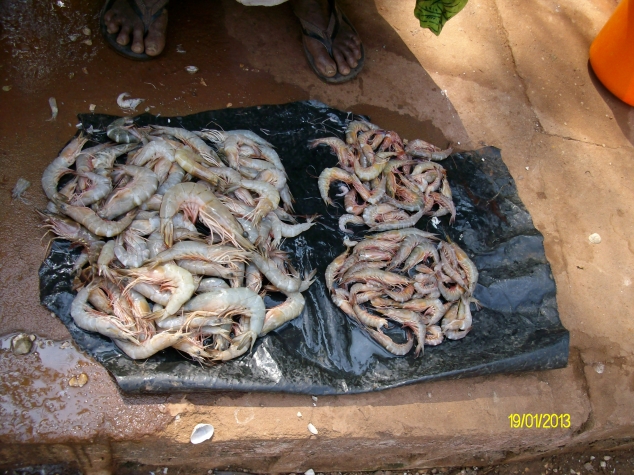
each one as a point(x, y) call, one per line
point(322, 351)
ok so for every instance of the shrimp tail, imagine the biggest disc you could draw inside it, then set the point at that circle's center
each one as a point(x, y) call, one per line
point(167, 229)
point(108, 273)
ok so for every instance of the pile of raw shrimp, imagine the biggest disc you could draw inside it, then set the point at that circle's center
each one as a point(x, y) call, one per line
point(147, 276)
point(397, 181)
point(409, 277)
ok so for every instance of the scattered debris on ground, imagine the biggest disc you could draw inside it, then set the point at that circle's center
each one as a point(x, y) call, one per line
point(587, 462)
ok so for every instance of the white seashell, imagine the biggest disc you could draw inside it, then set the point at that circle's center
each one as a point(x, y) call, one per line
point(299, 414)
point(128, 104)
point(312, 429)
point(201, 433)
point(310, 471)
point(191, 69)
point(19, 188)
point(594, 238)
point(314, 398)
point(54, 110)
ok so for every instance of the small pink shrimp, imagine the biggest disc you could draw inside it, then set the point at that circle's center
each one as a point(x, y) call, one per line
point(434, 335)
point(338, 147)
point(386, 342)
point(333, 269)
point(349, 218)
point(350, 203)
point(368, 319)
point(379, 276)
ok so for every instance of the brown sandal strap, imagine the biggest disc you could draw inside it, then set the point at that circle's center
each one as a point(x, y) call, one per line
point(326, 36)
point(148, 13)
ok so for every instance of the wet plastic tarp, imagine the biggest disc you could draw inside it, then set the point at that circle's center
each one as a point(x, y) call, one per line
point(322, 351)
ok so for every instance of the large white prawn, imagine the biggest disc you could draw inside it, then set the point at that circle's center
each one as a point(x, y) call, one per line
point(89, 219)
point(143, 185)
point(240, 301)
point(200, 251)
point(150, 346)
point(198, 202)
point(170, 277)
point(60, 166)
point(92, 320)
point(193, 140)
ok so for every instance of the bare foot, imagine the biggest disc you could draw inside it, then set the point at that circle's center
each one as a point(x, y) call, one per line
point(346, 48)
point(122, 19)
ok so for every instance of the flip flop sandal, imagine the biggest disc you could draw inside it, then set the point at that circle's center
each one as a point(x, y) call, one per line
point(146, 15)
point(326, 38)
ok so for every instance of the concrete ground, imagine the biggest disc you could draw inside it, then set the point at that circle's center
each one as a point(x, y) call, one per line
point(511, 74)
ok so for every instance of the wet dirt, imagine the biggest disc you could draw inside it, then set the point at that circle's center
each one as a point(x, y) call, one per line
point(38, 401)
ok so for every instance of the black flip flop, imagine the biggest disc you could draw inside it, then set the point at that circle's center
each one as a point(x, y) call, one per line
point(326, 38)
point(147, 18)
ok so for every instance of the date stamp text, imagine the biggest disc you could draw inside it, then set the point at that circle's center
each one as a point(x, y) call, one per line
point(539, 421)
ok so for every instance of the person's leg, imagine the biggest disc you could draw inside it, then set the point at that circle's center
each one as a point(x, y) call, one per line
point(121, 18)
point(346, 44)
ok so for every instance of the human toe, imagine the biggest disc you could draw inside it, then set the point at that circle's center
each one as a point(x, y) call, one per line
point(323, 62)
point(154, 47)
point(155, 38)
point(354, 47)
point(124, 35)
point(137, 40)
point(112, 22)
point(108, 16)
point(342, 63)
point(350, 57)
point(327, 67)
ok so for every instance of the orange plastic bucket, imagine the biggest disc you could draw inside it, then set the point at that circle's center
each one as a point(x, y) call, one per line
point(612, 53)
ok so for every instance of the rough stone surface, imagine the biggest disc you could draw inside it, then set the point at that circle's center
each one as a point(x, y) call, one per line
point(510, 74)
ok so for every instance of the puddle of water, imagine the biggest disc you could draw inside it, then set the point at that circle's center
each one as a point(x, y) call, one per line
point(35, 398)
point(36, 401)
